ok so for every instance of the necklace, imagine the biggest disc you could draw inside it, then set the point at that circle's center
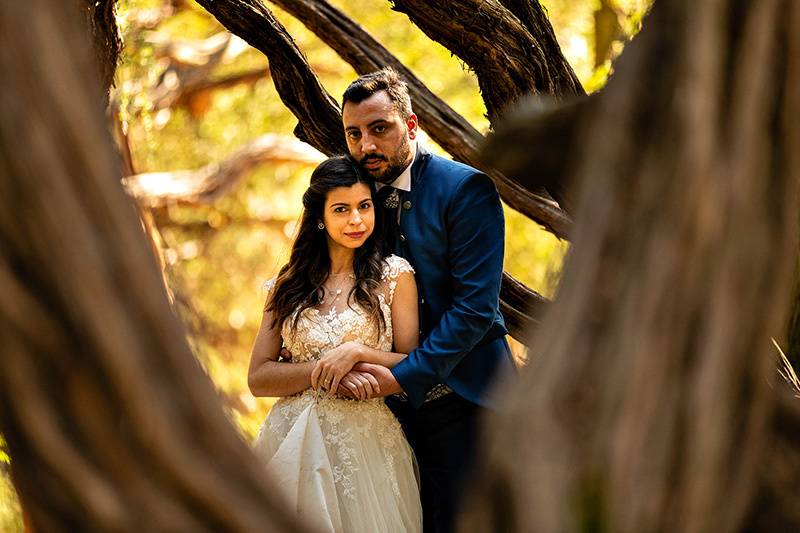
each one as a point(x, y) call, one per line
point(336, 289)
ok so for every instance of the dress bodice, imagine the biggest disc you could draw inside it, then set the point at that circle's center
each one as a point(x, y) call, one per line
point(318, 330)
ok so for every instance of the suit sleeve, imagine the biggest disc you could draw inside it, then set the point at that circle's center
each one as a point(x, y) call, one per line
point(476, 236)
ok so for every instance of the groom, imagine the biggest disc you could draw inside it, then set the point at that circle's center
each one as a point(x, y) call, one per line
point(445, 218)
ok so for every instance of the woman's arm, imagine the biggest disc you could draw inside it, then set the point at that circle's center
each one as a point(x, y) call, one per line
point(405, 325)
point(336, 363)
point(268, 377)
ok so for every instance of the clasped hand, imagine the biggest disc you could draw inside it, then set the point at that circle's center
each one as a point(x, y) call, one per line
point(334, 372)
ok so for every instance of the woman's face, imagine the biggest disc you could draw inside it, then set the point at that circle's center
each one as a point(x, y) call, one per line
point(349, 215)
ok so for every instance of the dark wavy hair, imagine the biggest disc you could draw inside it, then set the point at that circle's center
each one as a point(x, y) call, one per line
point(385, 79)
point(299, 282)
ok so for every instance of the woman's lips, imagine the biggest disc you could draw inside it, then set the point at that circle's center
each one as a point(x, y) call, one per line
point(356, 235)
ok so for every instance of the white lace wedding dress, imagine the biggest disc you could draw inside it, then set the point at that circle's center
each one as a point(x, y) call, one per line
point(344, 465)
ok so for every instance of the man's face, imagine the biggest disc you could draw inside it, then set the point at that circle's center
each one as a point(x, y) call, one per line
point(378, 137)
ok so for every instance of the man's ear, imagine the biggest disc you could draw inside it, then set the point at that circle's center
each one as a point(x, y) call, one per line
point(412, 125)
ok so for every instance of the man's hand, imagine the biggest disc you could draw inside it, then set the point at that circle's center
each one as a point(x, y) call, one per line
point(284, 355)
point(358, 385)
point(334, 365)
point(386, 382)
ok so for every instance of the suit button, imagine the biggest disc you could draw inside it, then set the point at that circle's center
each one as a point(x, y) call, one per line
point(422, 301)
point(407, 205)
point(403, 238)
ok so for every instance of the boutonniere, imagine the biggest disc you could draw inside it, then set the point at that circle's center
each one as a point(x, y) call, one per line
point(392, 201)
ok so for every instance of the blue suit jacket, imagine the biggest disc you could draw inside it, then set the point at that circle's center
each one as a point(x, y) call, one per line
point(452, 232)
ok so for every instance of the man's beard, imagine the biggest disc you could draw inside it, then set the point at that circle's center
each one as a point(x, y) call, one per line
point(397, 164)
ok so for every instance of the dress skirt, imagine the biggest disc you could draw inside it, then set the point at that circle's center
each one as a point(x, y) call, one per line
point(342, 465)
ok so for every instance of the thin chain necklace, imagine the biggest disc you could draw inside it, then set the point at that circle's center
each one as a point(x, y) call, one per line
point(338, 287)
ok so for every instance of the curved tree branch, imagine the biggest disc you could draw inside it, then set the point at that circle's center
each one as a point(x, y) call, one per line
point(449, 129)
point(298, 87)
point(533, 17)
point(186, 78)
point(522, 307)
point(509, 61)
point(207, 184)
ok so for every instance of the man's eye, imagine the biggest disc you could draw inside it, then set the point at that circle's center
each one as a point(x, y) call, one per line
point(380, 129)
point(353, 135)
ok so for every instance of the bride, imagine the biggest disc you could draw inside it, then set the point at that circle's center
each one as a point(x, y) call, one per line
point(340, 458)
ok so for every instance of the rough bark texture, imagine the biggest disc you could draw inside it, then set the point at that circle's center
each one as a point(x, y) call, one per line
point(793, 327)
point(231, 14)
point(522, 307)
point(106, 40)
point(774, 506)
point(533, 17)
point(450, 130)
point(647, 405)
point(509, 61)
point(110, 422)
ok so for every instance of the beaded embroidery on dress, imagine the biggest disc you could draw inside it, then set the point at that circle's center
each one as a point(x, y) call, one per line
point(344, 465)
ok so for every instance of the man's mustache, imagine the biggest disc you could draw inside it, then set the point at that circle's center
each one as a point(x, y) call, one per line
point(373, 157)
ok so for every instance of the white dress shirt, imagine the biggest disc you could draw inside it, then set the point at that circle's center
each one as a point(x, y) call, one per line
point(403, 181)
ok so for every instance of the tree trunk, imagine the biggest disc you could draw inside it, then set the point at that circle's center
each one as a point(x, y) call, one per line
point(110, 423)
point(793, 327)
point(106, 41)
point(647, 406)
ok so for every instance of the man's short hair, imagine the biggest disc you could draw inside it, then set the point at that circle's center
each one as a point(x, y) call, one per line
point(382, 80)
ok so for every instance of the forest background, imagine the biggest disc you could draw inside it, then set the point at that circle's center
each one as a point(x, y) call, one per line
point(190, 99)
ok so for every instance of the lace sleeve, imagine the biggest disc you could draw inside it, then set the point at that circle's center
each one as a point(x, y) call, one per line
point(395, 266)
point(267, 286)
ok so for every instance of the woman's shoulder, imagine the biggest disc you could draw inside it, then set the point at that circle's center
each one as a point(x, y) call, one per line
point(267, 286)
point(394, 265)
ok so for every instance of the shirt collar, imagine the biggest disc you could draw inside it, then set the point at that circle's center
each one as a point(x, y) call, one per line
point(403, 181)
